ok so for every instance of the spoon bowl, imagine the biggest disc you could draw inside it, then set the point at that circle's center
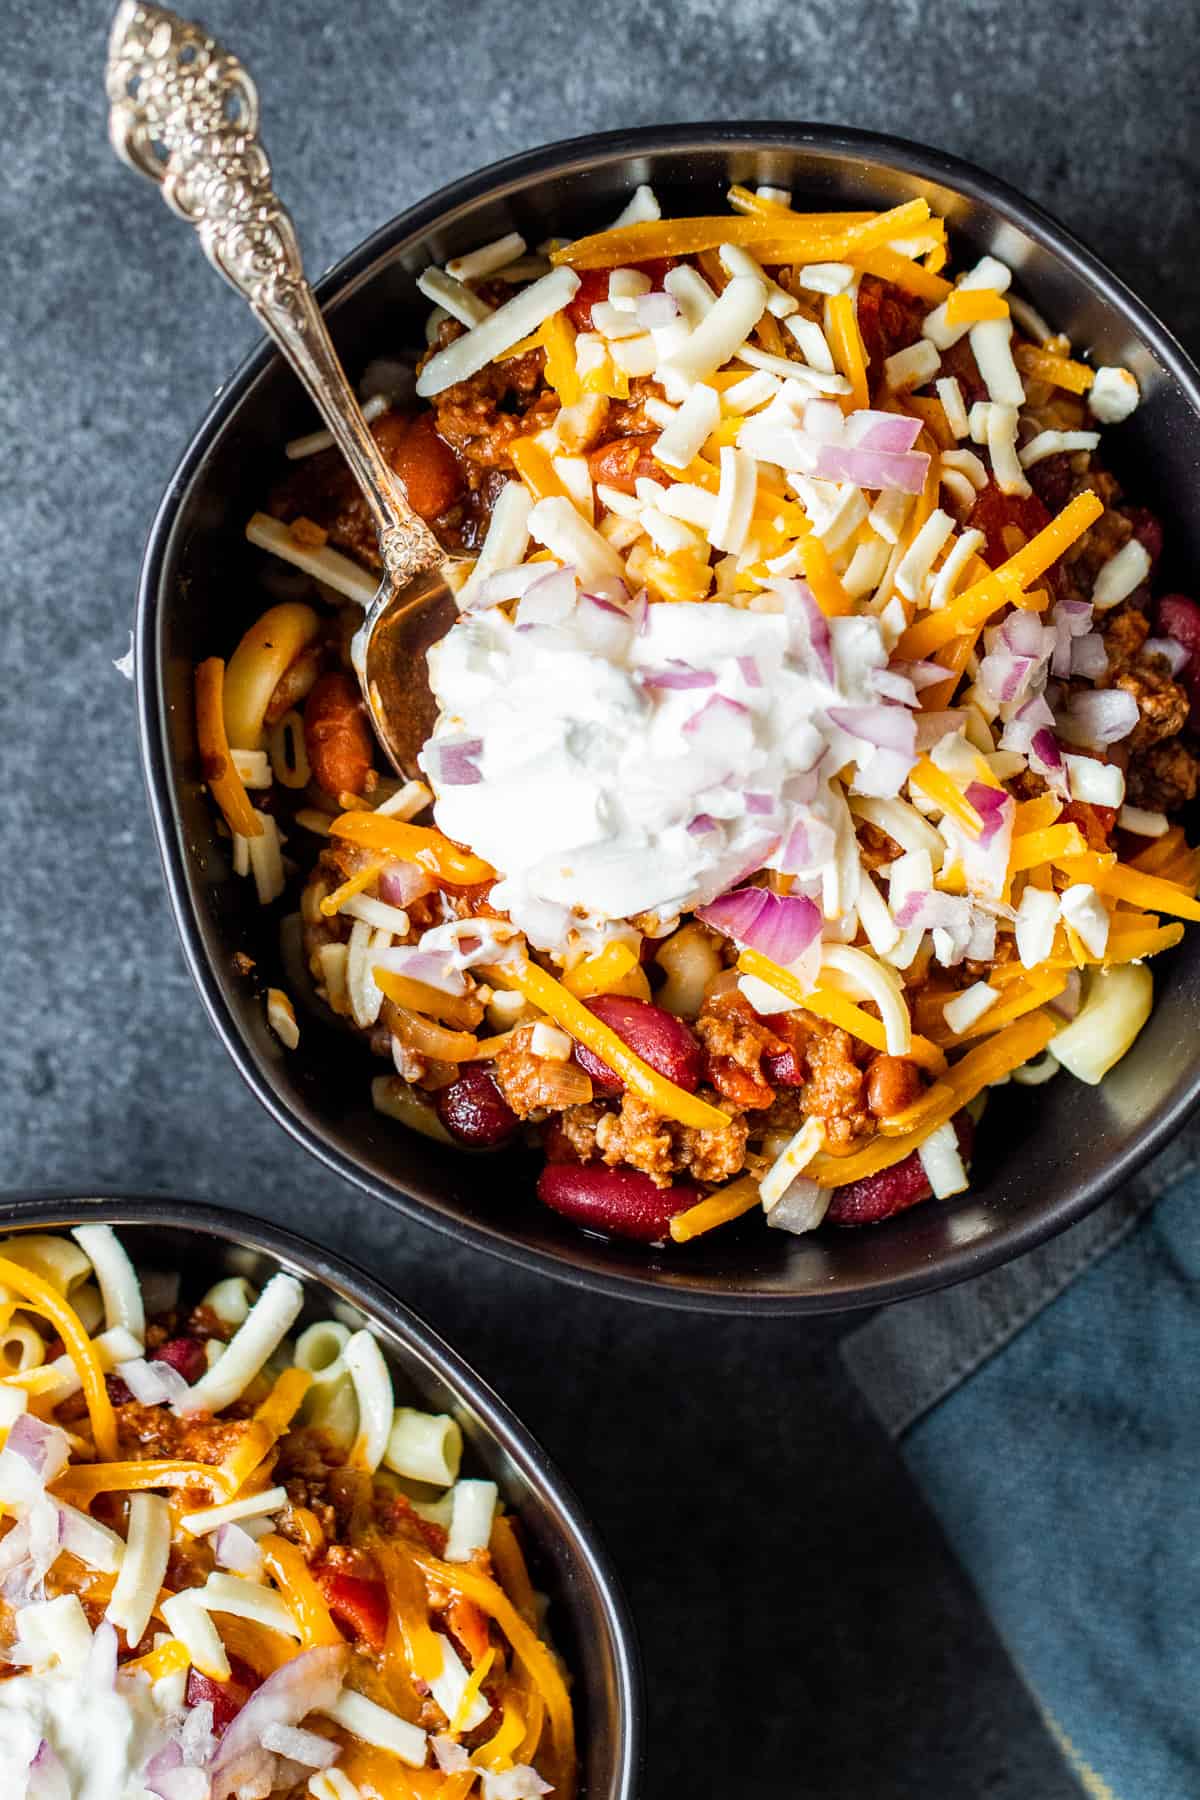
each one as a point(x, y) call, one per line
point(184, 113)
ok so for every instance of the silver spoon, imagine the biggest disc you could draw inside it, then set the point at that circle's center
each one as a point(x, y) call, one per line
point(184, 112)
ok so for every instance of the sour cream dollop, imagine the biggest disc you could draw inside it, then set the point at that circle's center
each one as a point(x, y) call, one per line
point(102, 1737)
point(611, 768)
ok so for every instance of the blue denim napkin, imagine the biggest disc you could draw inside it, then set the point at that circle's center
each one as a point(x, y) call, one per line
point(1051, 1413)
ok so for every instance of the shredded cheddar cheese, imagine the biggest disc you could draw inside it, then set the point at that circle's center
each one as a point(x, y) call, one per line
point(544, 992)
point(413, 843)
point(42, 1297)
point(970, 306)
point(740, 1196)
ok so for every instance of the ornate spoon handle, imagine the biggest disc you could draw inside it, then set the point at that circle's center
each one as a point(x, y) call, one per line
point(184, 112)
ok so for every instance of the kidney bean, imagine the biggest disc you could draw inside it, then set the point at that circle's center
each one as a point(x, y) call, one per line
point(475, 1111)
point(905, 1184)
point(1179, 618)
point(622, 1201)
point(185, 1354)
point(117, 1391)
point(1147, 529)
point(337, 736)
point(658, 1037)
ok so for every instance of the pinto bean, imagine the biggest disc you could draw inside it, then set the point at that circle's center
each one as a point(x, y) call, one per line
point(624, 460)
point(337, 736)
point(893, 1082)
point(427, 466)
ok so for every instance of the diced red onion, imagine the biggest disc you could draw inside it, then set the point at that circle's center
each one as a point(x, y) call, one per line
point(720, 730)
point(1066, 1004)
point(235, 1549)
point(46, 1778)
point(867, 430)
point(185, 1782)
point(44, 1447)
point(548, 601)
point(604, 625)
point(1060, 662)
point(803, 787)
point(932, 727)
point(890, 685)
point(1177, 654)
point(656, 311)
point(809, 845)
point(1044, 748)
point(1098, 716)
point(921, 674)
point(403, 882)
point(929, 909)
point(307, 1747)
point(152, 1384)
point(1089, 657)
point(800, 604)
point(1077, 614)
point(759, 803)
point(1006, 675)
point(749, 668)
point(1022, 633)
point(678, 676)
point(701, 825)
point(886, 727)
point(884, 775)
point(877, 469)
point(639, 612)
point(197, 1737)
point(450, 1756)
point(308, 1683)
point(434, 969)
point(991, 804)
point(521, 1782)
point(453, 761)
point(781, 926)
point(503, 585)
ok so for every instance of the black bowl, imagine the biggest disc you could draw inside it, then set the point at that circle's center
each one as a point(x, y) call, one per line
point(588, 1616)
point(1046, 1156)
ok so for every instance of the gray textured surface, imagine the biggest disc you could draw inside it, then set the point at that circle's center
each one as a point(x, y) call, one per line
point(804, 1629)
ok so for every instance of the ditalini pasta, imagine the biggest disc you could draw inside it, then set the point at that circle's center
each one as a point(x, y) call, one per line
point(887, 728)
point(210, 1595)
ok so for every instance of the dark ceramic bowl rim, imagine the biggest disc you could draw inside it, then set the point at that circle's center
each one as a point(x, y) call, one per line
point(54, 1206)
point(955, 1264)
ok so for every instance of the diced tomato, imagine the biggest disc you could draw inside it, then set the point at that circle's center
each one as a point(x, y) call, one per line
point(993, 510)
point(227, 1697)
point(1095, 822)
point(469, 1625)
point(353, 1601)
point(888, 318)
point(593, 286)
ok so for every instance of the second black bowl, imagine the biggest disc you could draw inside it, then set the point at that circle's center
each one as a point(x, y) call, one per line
point(1046, 1156)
